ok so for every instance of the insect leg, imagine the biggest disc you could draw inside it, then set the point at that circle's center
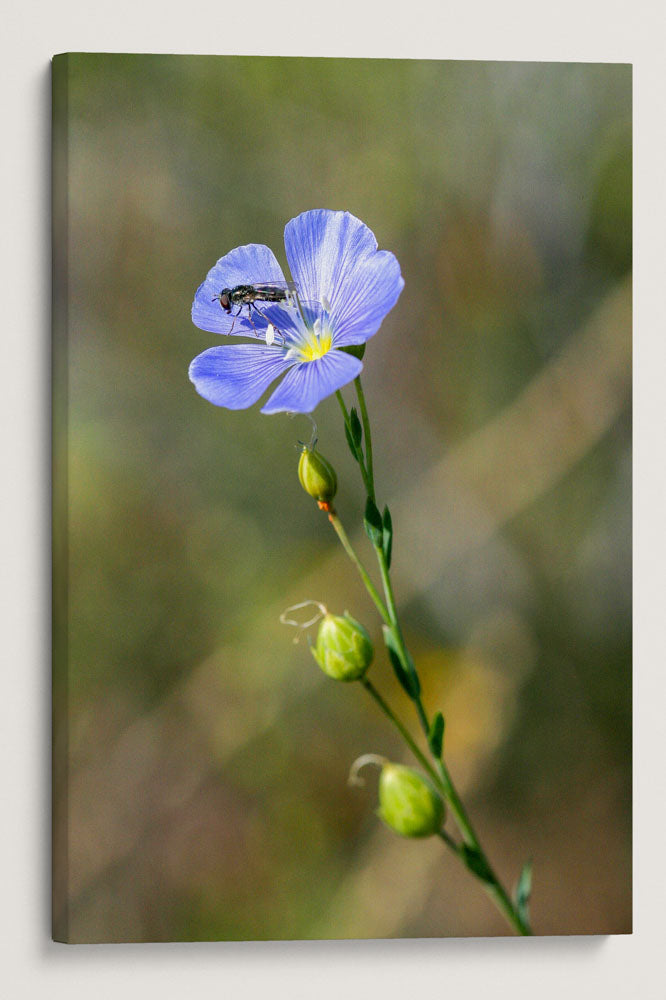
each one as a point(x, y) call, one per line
point(235, 317)
point(271, 326)
point(250, 307)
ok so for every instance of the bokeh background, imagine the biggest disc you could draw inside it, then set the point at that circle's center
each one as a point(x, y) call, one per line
point(201, 758)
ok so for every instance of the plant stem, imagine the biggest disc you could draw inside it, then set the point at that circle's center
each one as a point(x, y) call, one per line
point(367, 482)
point(395, 626)
point(449, 841)
point(402, 729)
point(492, 885)
point(440, 776)
point(444, 784)
point(343, 407)
point(349, 549)
point(367, 436)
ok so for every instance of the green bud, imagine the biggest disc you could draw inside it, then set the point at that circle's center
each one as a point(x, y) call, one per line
point(343, 649)
point(408, 803)
point(317, 476)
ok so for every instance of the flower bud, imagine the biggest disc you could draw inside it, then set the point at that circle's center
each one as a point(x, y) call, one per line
point(317, 476)
point(343, 649)
point(408, 803)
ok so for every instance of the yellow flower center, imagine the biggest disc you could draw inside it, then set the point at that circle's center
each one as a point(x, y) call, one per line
point(315, 342)
point(316, 346)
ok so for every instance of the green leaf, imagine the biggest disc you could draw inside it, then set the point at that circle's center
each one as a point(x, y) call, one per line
point(350, 441)
point(356, 350)
point(355, 428)
point(373, 523)
point(523, 893)
point(407, 681)
point(404, 671)
point(477, 864)
point(387, 535)
point(436, 735)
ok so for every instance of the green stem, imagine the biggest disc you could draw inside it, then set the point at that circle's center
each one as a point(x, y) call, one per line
point(343, 407)
point(402, 729)
point(449, 841)
point(397, 631)
point(367, 482)
point(349, 549)
point(444, 783)
point(367, 437)
point(463, 821)
point(493, 886)
point(441, 777)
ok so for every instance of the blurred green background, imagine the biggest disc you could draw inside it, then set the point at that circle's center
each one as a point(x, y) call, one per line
point(203, 778)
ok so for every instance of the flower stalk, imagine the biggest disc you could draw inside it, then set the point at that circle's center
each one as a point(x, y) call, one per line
point(469, 851)
point(363, 573)
point(368, 437)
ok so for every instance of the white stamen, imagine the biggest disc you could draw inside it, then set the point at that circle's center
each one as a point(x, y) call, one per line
point(270, 334)
point(326, 304)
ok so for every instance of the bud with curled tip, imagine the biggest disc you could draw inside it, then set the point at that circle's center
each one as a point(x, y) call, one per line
point(343, 648)
point(408, 803)
point(317, 476)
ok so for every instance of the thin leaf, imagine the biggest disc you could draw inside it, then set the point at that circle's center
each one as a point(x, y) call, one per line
point(387, 535)
point(355, 428)
point(404, 669)
point(373, 523)
point(407, 680)
point(350, 441)
point(477, 864)
point(436, 735)
point(523, 893)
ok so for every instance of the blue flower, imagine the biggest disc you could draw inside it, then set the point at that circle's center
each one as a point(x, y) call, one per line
point(345, 287)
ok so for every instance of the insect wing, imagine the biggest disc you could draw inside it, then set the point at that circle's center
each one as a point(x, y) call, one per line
point(276, 286)
point(309, 309)
point(275, 291)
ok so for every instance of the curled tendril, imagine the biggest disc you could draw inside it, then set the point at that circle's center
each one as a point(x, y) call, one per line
point(313, 437)
point(362, 761)
point(302, 626)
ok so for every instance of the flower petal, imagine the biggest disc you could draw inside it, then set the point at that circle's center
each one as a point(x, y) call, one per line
point(236, 375)
point(243, 266)
point(334, 256)
point(311, 381)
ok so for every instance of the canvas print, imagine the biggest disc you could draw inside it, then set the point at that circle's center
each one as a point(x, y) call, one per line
point(342, 498)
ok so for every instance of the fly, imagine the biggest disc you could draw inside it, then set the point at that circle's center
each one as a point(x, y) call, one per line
point(248, 295)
